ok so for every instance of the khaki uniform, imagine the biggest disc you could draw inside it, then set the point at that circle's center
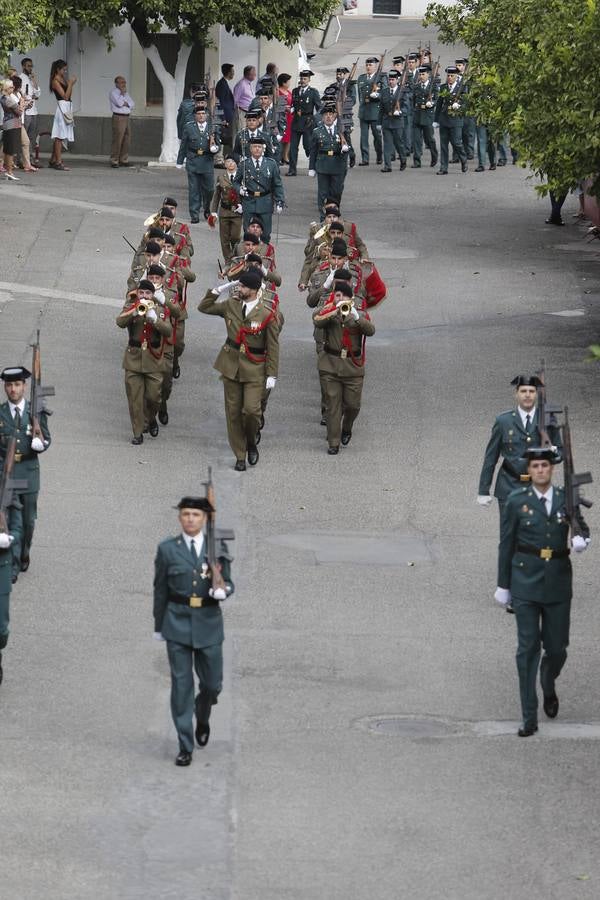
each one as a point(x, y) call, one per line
point(177, 314)
point(248, 357)
point(317, 235)
point(143, 363)
point(224, 200)
point(179, 275)
point(266, 251)
point(341, 370)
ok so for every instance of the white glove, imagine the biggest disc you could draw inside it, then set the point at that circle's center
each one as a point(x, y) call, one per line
point(214, 148)
point(345, 148)
point(37, 444)
point(292, 110)
point(159, 296)
point(484, 500)
point(270, 382)
point(312, 173)
point(397, 112)
point(279, 138)
point(157, 636)
point(374, 95)
point(217, 593)
point(329, 280)
point(354, 313)
point(279, 209)
point(215, 217)
point(502, 596)
point(179, 165)
point(243, 192)
point(239, 209)
point(151, 316)
point(579, 543)
point(429, 104)
point(264, 270)
point(5, 540)
point(220, 288)
point(436, 124)
point(456, 105)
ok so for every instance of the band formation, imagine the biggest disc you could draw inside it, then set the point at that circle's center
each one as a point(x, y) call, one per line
point(540, 522)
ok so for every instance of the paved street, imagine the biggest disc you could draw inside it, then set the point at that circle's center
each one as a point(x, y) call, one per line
point(364, 745)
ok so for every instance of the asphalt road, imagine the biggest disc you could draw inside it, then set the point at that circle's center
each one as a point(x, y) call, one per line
point(364, 745)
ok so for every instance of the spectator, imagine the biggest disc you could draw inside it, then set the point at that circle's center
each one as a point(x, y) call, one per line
point(11, 134)
point(243, 94)
point(187, 107)
point(285, 95)
point(121, 106)
point(224, 95)
point(269, 78)
point(62, 127)
point(31, 91)
point(23, 160)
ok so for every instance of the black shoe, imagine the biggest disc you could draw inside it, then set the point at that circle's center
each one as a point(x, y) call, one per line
point(455, 160)
point(290, 174)
point(480, 169)
point(206, 214)
point(176, 370)
point(1, 671)
point(240, 465)
point(386, 169)
point(332, 451)
point(442, 172)
point(24, 563)
point(363, 163)
point(126, 165)
point(552, 221)
point(15, 577)
point(323, 420)
point(509, 608)
point(402, 165)
point(417, 165)
point(146, 429)
point(163, 417)
point(346, 435)
point(493, 167)
point(393, 157)
point(501, 162)
point(352, 162)
point(153, 428)
point(379, 160)
point(252, 455)
point(527, 730)
point(114, 165)
point(202, 733)
point(257, 438)
point(138, 439)
point(194, 220)
point(434, 161)
point(464, 167)
point(551, 705)
point(470, 157)
point(262, 422)
point(183, 758)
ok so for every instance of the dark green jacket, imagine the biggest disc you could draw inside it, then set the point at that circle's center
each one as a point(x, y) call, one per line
point(369, 109)
point(264, 187)
point(29, 466)
point(422, 115)
point(306, 107)
point(15, 527)
point(399, 99)
point(445, 116)
point(326, 154)
point(195, 148)
point(176, 574)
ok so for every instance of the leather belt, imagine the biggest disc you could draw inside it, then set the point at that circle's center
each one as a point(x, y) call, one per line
point(154, 345)
point(343, 353)
point(254, 350)
point(194, 602)
point(513, 472)
point(258, 193)
point(543, 552)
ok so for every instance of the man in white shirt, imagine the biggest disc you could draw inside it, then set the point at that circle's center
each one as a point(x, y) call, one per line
point(121, 106)
point(31, 91)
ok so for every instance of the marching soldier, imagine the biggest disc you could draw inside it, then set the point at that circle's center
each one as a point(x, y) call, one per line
point(342, 76)
point(171, 299)
point(369, 110)
point(226, 209)
point(534, 574)
point(342, 362)
point(188, 617)
point(259, 184)
point(179, 230)
point(305, 106)
point(187, 107)
point(425, 96)
point(469, 123)
point(16, 419)
point(395, 110)
point(273, 119)
point(14, 532)
point(254, 128)
point(328, 158)
point(256, 230)
point(143, 364)
point(248, 361)
point(198, 148)
point(448, 115)
point(324, 233)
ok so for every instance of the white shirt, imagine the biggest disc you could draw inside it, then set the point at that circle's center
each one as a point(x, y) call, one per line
point(201, 127)
point(198, 540)
point(524, 413)
point(547, 497)
point(249, 304)
point(121, 104)
point(20, 406)
point(30, 92)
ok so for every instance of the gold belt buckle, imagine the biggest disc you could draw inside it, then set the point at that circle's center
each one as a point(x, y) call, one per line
point(344, 354)
point(18, 457)
point(256, 194)
point(199, 152)
point(546, 553)
point(330, 153)
point(524, 477)
point(195, 602)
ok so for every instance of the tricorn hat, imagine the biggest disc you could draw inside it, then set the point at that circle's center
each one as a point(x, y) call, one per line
point(15, 373)
point(526, 381)
point(195, 503)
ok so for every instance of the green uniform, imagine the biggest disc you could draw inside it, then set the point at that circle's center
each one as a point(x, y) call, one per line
point(330, 163)
point(451, 123)
point(143, 363)
point(395, 123)
point(247, 358)
point(225, 201)
point(200, 166)
point(15, 527)
point(534, 564)
point(369, 114)
point(241, 146)
point(306, 103)
point(194, 634)
point(27, 468)
point(423, 117)
point(260, 188)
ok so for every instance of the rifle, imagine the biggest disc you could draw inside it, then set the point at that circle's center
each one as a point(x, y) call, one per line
point(402, 83)
point(572, 482)
point(434, 75)
point(212, 100)
point(461, 86)
point(129, 243)
point(341, 97)
point(9, 485)
point(377, 73)
point(546, 412)
point(38, 392)
point(212, 534)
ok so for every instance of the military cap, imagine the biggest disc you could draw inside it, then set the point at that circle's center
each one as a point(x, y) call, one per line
point(328, 108)
point(254, 258)
point(393, 73)
point(398, 60)
point(462, 59)
point(169, 239)
point(539, 453)
point(259, 139)
point(155, 269)
point(339, 247)
point(155, 232)
point(372, 59)
point(253, 113)
point(332, 209)
point(526, 381)
point(153, 248)
point(343, 70)
point(200, 107)
point(15, 373)
point(330, 90)
point(195, 503)
point(251, 237)
point(169, 201)
point(425, 68)
point(344, 288)
point(336, 226)
point(165, 213)
point(146, 285)
point(342, 275)
point(256, 220)
point(251, 279)
point(264, 92)
point(413, 55)
point(306, 73)
point(451, 70)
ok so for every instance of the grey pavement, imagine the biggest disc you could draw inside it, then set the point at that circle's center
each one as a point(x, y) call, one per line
point(364, 745)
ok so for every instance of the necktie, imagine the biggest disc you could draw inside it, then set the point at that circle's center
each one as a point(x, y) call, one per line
point(194, 551)
point(243, 310)
point(257, 165)
point(546, 504)
point(17, 418)
point(527, 422)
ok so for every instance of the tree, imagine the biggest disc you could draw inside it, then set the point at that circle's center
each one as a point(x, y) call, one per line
point(534, 73)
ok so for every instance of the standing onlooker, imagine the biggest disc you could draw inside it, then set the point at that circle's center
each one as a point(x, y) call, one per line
point(31, 91)
point(243, 95)
point(269, 78)
point(283, 81)
point(224, 95)
point(121, 105)
point(23, 160)
point(62, 127)
point(11, 134)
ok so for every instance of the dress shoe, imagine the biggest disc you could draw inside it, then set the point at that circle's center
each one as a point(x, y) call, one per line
point(114, 165)
point(551, 705)
point(552, 221)
point(194, 220)
point(402, 165)
point(386, 169)
point(470, 156)
point(442, 172)
point(346, 435)
point(363, 163)
point(333, 451)
point(501, 162)
point(290, 174)
point(206, 214)
point(257, 438)
point(252, 455)
point(138, 439)
point(261, 424)
point(15, 577)
point(163, 417)
point(434, 161)
point(493, 167)
point(240, 465)
point(464, 167)
point(24, 563)
point(379, 160)
point(416, 165)
point(153, 428)
point(480, 169)
point(146, 429)
point(527, 730)
point(509, 608)
point(323, 420)
point(176, 370)
point(202, 733)
point(183, 758)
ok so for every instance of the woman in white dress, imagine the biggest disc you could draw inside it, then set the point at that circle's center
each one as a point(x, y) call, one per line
point(62, 127)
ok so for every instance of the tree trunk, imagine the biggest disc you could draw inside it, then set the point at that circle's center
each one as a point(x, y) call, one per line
point(172, 93)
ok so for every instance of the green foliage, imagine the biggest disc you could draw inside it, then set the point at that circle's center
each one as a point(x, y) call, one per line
point(535, 73)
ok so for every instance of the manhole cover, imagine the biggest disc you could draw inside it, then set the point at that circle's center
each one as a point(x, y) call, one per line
point(411, 727)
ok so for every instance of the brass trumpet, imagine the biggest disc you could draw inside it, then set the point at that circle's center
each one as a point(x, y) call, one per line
point(143, 307)
point(346, 308)
point(152, 221)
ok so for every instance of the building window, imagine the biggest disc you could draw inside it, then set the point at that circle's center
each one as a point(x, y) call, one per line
point(168, 47)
